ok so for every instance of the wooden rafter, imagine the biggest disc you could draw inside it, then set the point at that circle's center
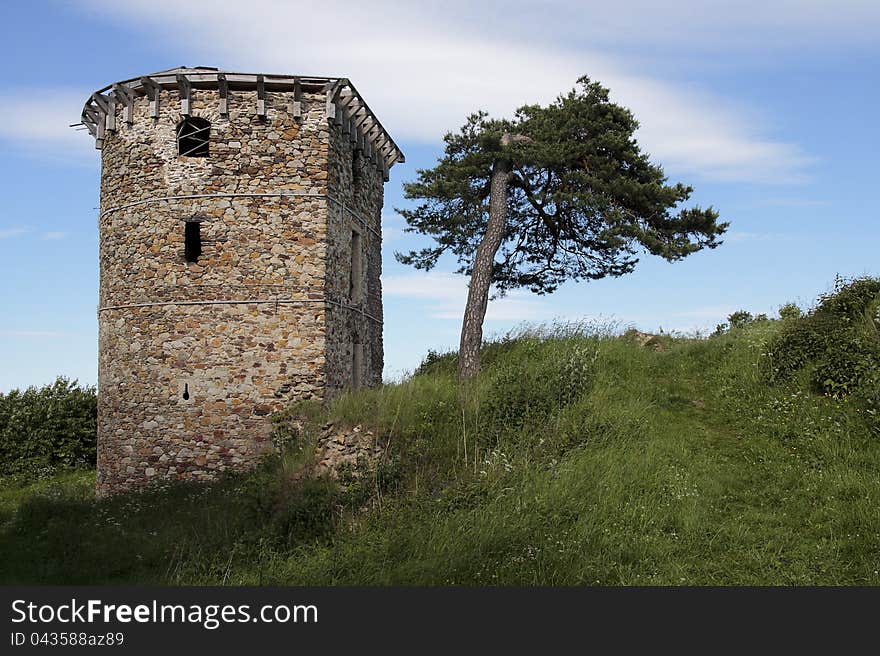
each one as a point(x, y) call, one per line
point(125, 96)
point(152, 89)
point(223, 89)
point(261, 96)
point(185, 88)
point(296, 102)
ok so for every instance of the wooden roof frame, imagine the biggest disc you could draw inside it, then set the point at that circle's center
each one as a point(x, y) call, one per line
point(345, 107)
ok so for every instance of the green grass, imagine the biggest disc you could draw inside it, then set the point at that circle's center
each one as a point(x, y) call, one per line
point(575, 458)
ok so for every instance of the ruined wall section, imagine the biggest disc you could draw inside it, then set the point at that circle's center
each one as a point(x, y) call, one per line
point(193, 356)
point(354, 323)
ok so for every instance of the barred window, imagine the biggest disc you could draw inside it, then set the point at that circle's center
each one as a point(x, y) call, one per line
point(193, 136)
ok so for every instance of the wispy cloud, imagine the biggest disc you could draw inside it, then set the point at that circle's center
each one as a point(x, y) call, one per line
point(37, 122)
point(33, 333)
point(793, 202)
point(423, 68)
point(737, 237)
point(444, 295)
point(392, 226)
point(54, 236)
point(6, 233)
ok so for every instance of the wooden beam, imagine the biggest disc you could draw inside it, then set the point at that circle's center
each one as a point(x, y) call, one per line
point(153, 92)
point(100, 101)
point(125, 96)
point(103, 121)
point(89, 116)
point(345, 120)
point(89, 126)
point(332, 111)
point(386, 148)
point(100, 126)
point(261, 96)
point(360, 116)
point(296, 103)
point(110, 121)
point(223, 88)
point(185, 89)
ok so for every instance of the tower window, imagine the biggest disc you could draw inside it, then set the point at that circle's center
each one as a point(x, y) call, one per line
point(355, 271)
point(192, 241)
point(357, 359)
point(193, 136)
point(355, 169)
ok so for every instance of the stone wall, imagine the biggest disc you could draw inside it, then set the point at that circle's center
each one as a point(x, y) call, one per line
point(193, 356)
point(358, 187)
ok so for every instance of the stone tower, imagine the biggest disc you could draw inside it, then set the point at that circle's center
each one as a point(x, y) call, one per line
point(240, 257)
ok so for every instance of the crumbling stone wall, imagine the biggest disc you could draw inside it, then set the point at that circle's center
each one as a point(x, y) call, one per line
point(193, 356)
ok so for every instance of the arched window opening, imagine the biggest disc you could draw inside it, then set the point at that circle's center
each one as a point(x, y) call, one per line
point(193, 136)
point(192, 241)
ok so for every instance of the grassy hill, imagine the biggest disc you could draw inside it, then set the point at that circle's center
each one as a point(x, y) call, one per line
point(576, 457)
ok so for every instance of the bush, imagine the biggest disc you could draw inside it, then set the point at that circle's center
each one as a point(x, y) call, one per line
point(54, 426)
point(740, 319)
point(789, 311)
point(836, 344)
point(535, 380)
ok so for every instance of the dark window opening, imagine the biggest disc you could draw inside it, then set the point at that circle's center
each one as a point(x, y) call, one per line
point(186, 391)
point(356, 364)
point(355, 169)
point(193, 136)
point(355, 271)
point(192, 241)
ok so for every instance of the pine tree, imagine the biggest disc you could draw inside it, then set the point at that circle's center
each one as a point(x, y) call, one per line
point(561, 192)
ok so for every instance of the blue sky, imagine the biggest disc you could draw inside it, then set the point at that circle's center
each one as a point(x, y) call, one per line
point(766, 107)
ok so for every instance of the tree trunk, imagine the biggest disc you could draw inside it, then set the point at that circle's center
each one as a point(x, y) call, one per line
point(481, 273)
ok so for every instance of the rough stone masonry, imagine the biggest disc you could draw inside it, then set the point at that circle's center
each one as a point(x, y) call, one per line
point(240, 262)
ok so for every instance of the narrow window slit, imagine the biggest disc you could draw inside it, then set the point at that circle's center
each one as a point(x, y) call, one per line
point(355, 271)
point(192, 238)
point(357, 359)
point(186, 391)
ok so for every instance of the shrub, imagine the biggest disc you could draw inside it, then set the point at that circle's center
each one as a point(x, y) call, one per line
point(740, 319)
point(836, 343)
point(789, 311)
point(535, 380)
point(53, 426)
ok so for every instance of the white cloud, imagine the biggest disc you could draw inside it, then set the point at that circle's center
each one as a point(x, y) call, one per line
point(424, 66)
point(392, 226)
point(793, 202)
point(33, 333)
point(736, 237)
point(444, 296)
point(698, 25)
point(6, 233)
point(37, 121)
point(54, 235)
